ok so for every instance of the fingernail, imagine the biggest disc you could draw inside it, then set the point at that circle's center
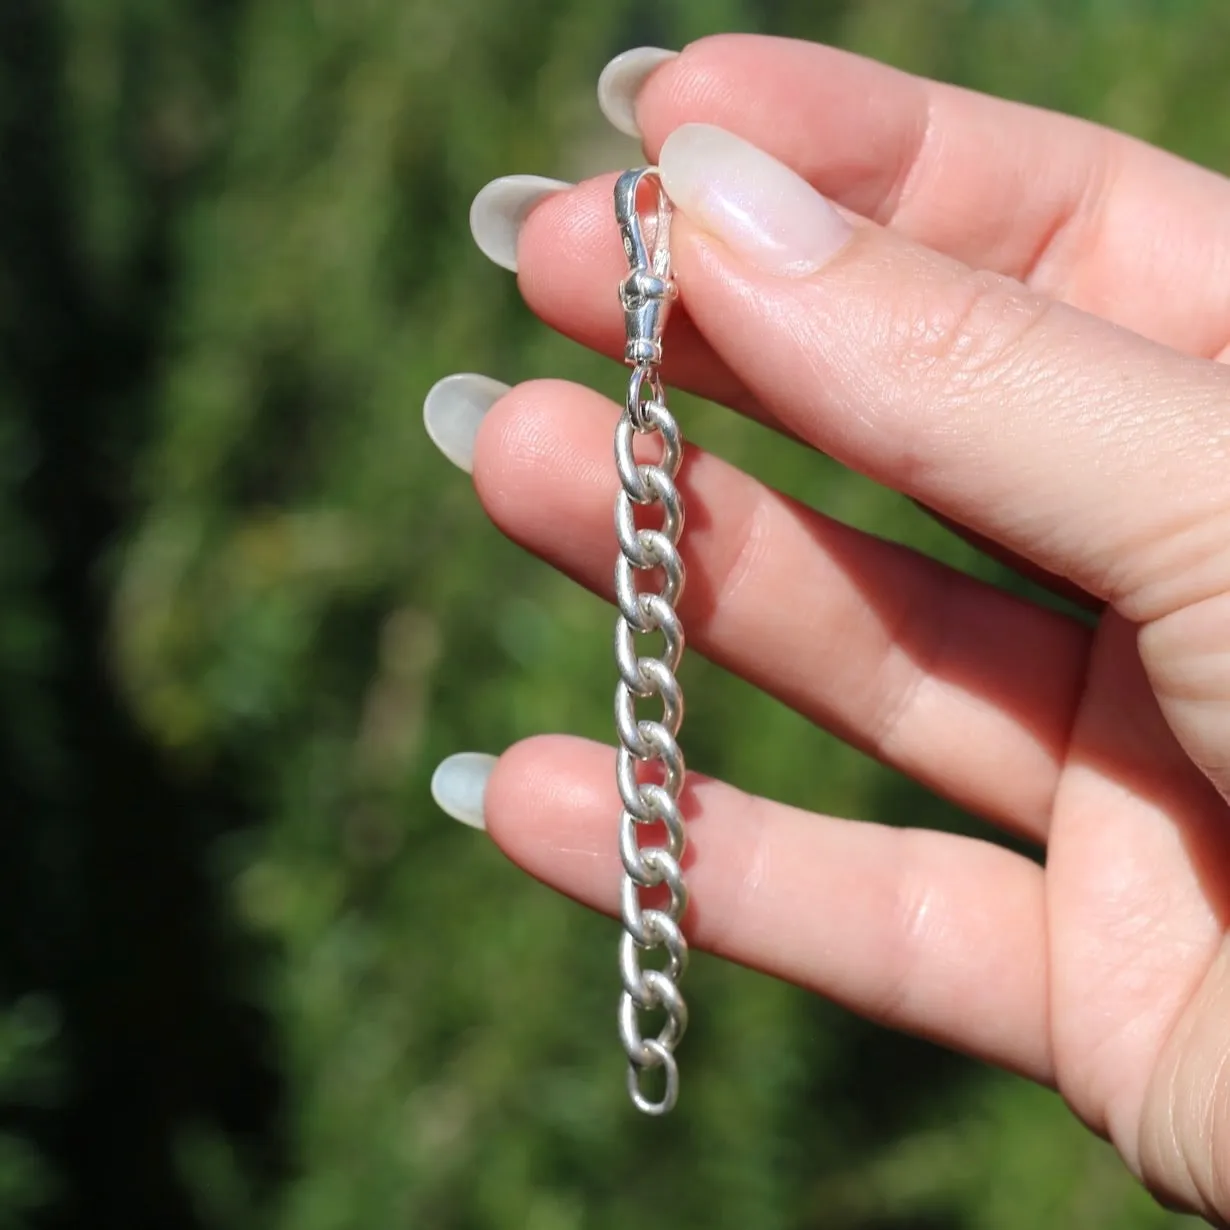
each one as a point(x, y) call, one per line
point(458, 786)
point(453, 411)
point(499, 212)
point(757, 206)
point(620, 82)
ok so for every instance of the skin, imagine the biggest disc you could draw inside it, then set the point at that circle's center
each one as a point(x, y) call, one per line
point(1026, 334)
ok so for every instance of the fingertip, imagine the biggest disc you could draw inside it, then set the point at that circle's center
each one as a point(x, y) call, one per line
point(501, 442)
point(706, 79)
point(522, 441)
point(571, 242)
point(453, 413)
point(458, 786)
point(499, 212)
point(544, 805)
point(621, 82)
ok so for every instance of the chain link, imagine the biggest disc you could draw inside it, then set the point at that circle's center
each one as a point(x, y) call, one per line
point(649, 747)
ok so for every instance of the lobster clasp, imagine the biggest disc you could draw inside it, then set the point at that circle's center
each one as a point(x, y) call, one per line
point(648, 290)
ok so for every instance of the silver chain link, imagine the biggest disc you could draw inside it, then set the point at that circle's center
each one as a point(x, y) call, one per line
point(649, 747)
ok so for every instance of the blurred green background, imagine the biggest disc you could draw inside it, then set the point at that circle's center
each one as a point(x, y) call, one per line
point(251, 977)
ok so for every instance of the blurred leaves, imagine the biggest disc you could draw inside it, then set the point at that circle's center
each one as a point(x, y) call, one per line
point(245, 608)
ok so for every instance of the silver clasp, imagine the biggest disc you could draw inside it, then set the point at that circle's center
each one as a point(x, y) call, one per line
point(648, 290)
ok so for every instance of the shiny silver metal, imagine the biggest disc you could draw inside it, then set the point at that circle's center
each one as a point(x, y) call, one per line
point(648, 290)
point(650, 768)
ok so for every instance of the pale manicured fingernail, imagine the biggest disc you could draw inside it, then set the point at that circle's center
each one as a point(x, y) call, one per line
point(458, 786)
point(620, 82)
point(755, 204)
point(454, 409)
point(499, 212)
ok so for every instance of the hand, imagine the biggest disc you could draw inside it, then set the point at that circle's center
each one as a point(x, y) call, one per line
point(1016, 319)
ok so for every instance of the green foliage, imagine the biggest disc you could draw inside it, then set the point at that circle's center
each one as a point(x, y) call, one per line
point(245, 608)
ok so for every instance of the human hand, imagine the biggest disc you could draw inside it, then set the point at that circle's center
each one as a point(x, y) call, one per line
point(1024, 337)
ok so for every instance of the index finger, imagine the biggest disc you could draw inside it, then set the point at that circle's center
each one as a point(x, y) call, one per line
point(1077, 211)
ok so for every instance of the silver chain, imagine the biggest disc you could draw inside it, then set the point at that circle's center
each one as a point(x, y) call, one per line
point(649, 768)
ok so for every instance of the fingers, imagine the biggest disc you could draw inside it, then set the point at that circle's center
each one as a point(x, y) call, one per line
point(571, 257)
point(1080, 446)
point(939, 935)
point(964, 687)
point(568, 260)
point(1082, 214)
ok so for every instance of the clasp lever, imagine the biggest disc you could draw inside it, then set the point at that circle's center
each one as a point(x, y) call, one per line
point(648, 290)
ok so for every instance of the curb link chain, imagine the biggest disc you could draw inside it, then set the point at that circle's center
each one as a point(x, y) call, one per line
point(650, 796)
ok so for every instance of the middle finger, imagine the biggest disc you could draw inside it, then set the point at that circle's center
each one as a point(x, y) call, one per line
point(966, 688)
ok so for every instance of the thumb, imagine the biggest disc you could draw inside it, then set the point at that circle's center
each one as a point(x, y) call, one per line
point(1086, 449)
point(1075, 443)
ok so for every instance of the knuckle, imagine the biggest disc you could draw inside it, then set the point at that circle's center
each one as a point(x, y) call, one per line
point(745, 550)
point(732, 927)
point(728, 566)
point(971, 335)
point(915, 914)
point(920, 638)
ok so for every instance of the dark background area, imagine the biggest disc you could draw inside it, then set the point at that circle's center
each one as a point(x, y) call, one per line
point(250, 976)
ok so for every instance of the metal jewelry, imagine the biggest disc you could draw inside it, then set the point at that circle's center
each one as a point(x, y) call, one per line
point(650, 767)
